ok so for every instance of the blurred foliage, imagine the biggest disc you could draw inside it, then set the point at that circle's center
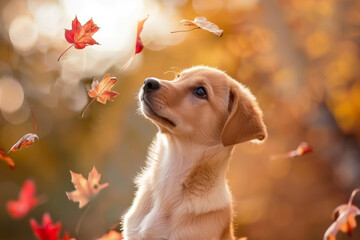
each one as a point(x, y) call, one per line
point(299, 57)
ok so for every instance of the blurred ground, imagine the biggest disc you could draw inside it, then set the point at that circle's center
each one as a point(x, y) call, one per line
point(299, 57)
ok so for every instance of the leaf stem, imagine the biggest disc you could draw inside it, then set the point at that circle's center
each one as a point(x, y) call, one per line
point(66, 51)
point(353, 195)
point(33, 118)
point(77, 228)
point(187, 30)
point(87, 107)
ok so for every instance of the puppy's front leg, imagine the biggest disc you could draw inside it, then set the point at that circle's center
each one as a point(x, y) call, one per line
point(139, 209)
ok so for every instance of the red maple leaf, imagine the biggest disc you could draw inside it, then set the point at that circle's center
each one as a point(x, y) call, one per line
point(85, 189)
point(19, 208)
point(138, 44)
point(80, 36)
point(28, 139)
point(7, 159)
point(101, 91)
point(47, 231)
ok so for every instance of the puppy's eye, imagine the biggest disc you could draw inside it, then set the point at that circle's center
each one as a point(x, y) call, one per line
point(200, 92)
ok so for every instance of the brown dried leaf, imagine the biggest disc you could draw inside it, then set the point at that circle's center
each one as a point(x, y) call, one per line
point(202, 23)
point(344, 216)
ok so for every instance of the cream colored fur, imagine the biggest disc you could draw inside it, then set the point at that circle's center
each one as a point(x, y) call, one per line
point(183, 193)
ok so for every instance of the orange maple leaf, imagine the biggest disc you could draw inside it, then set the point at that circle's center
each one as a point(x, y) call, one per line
point(138, 44)
point(101, 91)
point(85, 189)
point(80, 36)
point(344, 216)
point(28, 139)
point(301, 150)
point(7, 159)
point(112, 235)
point(201, 23)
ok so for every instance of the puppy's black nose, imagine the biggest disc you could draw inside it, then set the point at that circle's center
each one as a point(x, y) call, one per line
point(151, 85)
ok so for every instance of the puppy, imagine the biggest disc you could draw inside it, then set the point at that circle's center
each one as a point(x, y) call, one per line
point(183, 193)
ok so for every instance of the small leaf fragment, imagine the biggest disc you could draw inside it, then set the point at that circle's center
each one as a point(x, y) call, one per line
point(302, 149)
point(7, 159)
point(112, 235)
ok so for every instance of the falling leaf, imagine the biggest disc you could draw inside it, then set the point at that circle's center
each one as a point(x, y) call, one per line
point(101, 91)
point(301, 150)
point(80, 36)
point(27, 139)
point(201, 23)
point(19, 208)
point(344, 219)
point(85, 189)
point(138, 45)
point(7, 159)
point(112, 235)
point(48, 231)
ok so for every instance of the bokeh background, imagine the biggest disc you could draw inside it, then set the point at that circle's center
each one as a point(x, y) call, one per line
point(299, 57)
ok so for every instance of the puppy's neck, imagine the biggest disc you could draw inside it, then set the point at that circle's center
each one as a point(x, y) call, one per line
point(185, 154)
point(194, 169)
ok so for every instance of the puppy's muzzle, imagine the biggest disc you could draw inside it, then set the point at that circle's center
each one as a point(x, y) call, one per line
point(151, 85)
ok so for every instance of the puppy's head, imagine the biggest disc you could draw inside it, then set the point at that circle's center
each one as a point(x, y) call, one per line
point(204, 105)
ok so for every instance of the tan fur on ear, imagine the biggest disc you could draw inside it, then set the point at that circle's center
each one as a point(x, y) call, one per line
point(245, 121)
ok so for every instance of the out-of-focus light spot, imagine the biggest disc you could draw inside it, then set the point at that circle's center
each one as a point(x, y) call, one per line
point(303, 5)
point(11, 10)
point(345, 174)
point(346, 116)
point(48, 18)
point(317, 44)
point(278, 168)
point(325, 7)
point(235, 5)
point(11, 94)
point(23, 33)
point(285, 214)
point(157, 34)
point(19, 116)
point(202, 6)
point(174, 3)
point(250, 210)
point(78, 97)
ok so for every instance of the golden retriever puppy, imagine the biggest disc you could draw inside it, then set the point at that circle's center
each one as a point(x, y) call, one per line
point(183, 193)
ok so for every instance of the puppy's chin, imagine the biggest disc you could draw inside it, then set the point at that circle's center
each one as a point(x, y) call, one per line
point(148, 111)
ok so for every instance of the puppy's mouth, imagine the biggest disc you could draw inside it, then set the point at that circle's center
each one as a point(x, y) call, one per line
point(152, 112)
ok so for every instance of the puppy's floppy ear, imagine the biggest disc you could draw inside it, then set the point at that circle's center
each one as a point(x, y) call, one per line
point(245, 121)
